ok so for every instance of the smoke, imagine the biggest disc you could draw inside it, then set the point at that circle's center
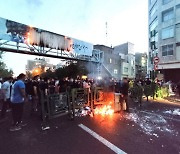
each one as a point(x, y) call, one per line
point(96, 71)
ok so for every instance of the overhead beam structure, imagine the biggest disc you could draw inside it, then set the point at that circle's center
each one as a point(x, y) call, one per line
point(23, 39)
point(7, 46)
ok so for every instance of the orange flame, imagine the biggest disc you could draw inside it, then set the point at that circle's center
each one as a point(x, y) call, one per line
point(104, 110)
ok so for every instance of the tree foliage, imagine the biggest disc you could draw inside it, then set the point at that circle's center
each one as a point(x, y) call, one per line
point(72, 71)
point(48, 74)
point(4, 72)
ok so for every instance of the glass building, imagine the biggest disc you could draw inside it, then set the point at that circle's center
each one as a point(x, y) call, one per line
point(164, 37)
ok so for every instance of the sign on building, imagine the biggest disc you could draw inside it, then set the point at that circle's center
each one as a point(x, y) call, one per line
point(155, 67)
point(81, 48)
point(156, 60)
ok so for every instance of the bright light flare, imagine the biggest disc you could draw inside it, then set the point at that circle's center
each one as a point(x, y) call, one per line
point(99, 78)
point(84, 77)
point(36, 70)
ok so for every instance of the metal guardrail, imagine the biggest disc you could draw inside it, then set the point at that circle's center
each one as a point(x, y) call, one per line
point(80, 97)
point(55, 105)
point(98, 95)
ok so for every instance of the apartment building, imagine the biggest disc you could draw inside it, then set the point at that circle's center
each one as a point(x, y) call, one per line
point(164, 37)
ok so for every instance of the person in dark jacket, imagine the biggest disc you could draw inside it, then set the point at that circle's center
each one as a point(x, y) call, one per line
point(124, 93)
point(178, 87)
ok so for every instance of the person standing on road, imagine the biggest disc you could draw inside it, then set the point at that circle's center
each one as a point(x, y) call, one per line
point(124, 93)
point(148, 81)
point(35, 93)
point(17, 100)
point(1, 94)
point(30, 93)
point(6, 90)
point(178, 88)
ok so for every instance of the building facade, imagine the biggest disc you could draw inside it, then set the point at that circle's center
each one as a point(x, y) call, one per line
point(141, 65)
point(111, 63)
point(118, 62)
point(125, 48)
point(126, 51)
point(164, 37)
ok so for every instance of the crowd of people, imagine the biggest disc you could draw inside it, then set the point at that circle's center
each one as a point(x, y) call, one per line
point(13, 97)
point(15, 92)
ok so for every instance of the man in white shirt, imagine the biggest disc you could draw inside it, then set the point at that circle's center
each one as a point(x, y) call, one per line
point(85, 84)
point(6, 90)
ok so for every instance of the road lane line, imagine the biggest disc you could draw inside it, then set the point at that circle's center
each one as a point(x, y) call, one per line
point(102, 140)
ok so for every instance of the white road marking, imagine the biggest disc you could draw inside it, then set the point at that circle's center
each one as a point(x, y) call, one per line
point(102, 140)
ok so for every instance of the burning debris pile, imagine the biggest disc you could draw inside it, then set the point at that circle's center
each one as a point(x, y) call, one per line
point(99, 110)
point(84, 111)
point(103, 103)
point(151, 124)
point(104, 110)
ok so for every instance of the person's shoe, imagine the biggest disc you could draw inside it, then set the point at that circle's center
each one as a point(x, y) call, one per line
point(45, 127)
point(15, 128)
point(35, 110)
point(8, 110)
point(22, 124)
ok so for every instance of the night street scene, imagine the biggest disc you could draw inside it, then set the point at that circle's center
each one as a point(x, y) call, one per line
point(89, 77)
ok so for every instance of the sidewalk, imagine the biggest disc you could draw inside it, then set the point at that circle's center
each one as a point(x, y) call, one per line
point(175, 99)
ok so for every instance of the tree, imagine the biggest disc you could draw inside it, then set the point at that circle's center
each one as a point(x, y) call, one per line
point(4, 72)
point(72, 71)
point(29, 74)
point(48, 74)
point(61, 73)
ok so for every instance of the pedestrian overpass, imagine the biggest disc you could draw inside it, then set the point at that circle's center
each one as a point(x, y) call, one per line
point(23, 39)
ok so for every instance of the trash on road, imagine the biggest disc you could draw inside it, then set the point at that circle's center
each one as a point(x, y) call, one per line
point(150, 124)
point(173, 112)
point(84, 111)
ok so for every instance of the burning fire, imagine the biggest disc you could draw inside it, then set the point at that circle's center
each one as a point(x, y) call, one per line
point(104, 110)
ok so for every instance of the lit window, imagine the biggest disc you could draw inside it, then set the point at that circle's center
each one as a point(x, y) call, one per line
point(168, 32)
point(143, 61)
point(110, 60)
point(167, 50)
point(115, 71)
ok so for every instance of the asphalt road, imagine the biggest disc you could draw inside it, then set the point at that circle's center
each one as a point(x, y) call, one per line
point(155, 128)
